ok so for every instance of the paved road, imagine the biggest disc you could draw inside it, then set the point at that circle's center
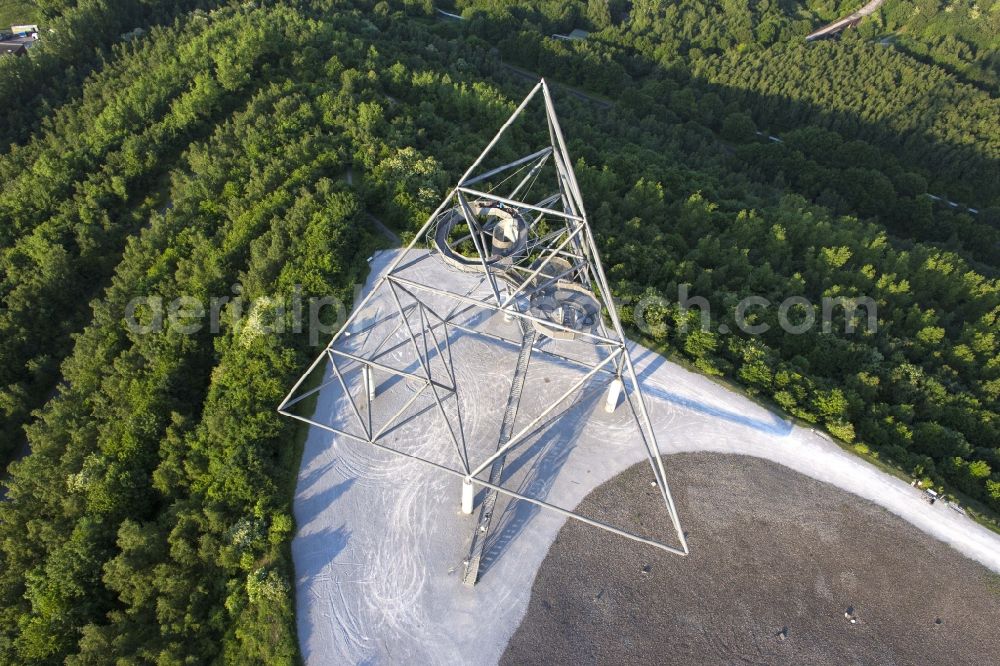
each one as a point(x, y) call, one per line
point(840, 24)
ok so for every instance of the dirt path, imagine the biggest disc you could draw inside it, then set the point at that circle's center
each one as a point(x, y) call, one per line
point(575, 92)
point(385, 231)
point(379, 225)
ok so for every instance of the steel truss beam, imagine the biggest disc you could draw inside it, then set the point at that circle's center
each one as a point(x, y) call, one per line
point(572, 240)
point(519, 204)
point(544, 152)
point(507, 310)
point(500, 489)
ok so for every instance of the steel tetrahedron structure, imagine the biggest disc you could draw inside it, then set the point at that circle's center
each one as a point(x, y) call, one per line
point(524, 276)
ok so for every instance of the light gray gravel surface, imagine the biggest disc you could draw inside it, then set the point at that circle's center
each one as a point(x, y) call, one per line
point(380, 540)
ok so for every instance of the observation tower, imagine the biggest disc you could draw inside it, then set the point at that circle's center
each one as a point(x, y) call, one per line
point(507, 261)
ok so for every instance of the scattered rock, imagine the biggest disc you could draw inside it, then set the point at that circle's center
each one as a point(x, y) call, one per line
point(721, 608)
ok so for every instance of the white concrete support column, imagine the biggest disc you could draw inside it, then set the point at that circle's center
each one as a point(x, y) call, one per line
point(468, 493)
point(369, 378)
point(614, 391)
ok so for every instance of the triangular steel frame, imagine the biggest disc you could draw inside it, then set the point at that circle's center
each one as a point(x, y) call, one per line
point(557, 260)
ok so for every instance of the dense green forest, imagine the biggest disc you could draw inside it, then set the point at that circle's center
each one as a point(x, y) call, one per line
point(18, 12)
point(151, 521)
point(75, 39)
point(962, 35)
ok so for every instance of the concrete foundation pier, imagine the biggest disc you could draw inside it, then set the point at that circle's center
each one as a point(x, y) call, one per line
point(614, 391)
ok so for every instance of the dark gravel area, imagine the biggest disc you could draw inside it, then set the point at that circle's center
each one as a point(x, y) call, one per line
point(777, 559)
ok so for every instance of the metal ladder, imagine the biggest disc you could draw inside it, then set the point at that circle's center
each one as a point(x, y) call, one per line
point(496, 471)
